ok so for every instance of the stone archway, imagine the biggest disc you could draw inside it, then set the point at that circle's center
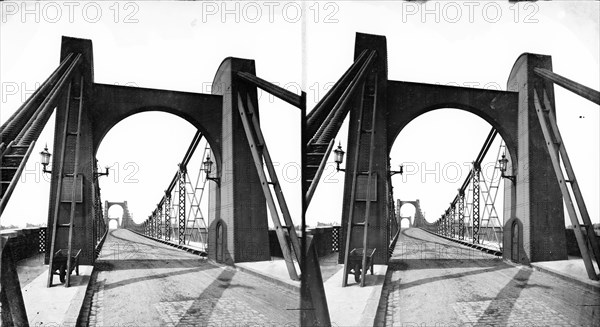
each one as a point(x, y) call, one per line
point(418, 218)
point(115, 221)
point(535, 200)
point(126, 220)
point(402, 219)
point(215, 115)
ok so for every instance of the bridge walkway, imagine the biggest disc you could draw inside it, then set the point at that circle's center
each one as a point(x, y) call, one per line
point(435, 282)
point(141, 282)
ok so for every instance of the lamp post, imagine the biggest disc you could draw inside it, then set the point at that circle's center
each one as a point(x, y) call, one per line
point(503, 166)
point(394, 172)
point(207, 165)
point(45, 159)
point(339, 157)
point(96, 174)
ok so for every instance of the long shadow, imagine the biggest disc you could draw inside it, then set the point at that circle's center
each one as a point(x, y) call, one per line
point(431, 263)
point(452, 276)
point(156, 276)
point(127, 264)
point(203, 307)
point(503, 304)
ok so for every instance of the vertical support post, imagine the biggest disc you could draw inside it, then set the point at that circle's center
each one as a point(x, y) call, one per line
point(181, 182)
point(446, 223)
point(167, 205)
point(461, 215)
point(452, 221)
point(476, 184)
point(153, 226)
point(442, 225)
point(151, 219)
point(159, 221)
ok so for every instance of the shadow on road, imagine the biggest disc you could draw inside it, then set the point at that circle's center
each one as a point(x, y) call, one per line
point(451, 276)
point(433, 263)
point(204, 305)
point(506, 299)
point(157, 276)
point(108, 264)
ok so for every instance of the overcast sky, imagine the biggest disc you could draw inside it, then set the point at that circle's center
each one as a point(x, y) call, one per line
point(179, 46)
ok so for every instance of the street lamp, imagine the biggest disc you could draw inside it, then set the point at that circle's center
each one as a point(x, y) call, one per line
point(207, 165)
point(339, 156)
point(45, 159)
point(394, 172)
point(503, 166)
point(96, 174)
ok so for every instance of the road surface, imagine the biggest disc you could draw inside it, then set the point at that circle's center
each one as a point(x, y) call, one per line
point(140, 282)
point(435, 282)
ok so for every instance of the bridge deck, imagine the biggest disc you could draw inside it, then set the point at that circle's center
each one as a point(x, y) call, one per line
point(434, 281)
point(144, 283)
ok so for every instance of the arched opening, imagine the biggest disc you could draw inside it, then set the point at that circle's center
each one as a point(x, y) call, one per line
point(405, 222)
point(113, 224)
point(115, 216)
point(514, 240)
point(437, 149)
point(219, 241)
point(142, 153)
point(407, 214)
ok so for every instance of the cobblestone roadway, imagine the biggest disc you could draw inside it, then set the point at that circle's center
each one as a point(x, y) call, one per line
point(140, 282)
point(435, 282)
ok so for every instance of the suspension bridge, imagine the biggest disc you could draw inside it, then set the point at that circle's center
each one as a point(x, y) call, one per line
point(183, 266)
point(532, 163)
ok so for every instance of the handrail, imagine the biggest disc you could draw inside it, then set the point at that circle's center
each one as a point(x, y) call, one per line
point(4, 150)
point(15, 179)
point(314, 114)
point(35, 124)
point(22, 114)
point(337, 114)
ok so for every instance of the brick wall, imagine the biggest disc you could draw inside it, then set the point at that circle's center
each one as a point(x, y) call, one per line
point(26, 242)
point(572, 247)
point(326, 240)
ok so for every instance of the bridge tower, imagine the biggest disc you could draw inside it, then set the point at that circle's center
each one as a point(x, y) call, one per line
point(236, 202)
point(534, 203)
